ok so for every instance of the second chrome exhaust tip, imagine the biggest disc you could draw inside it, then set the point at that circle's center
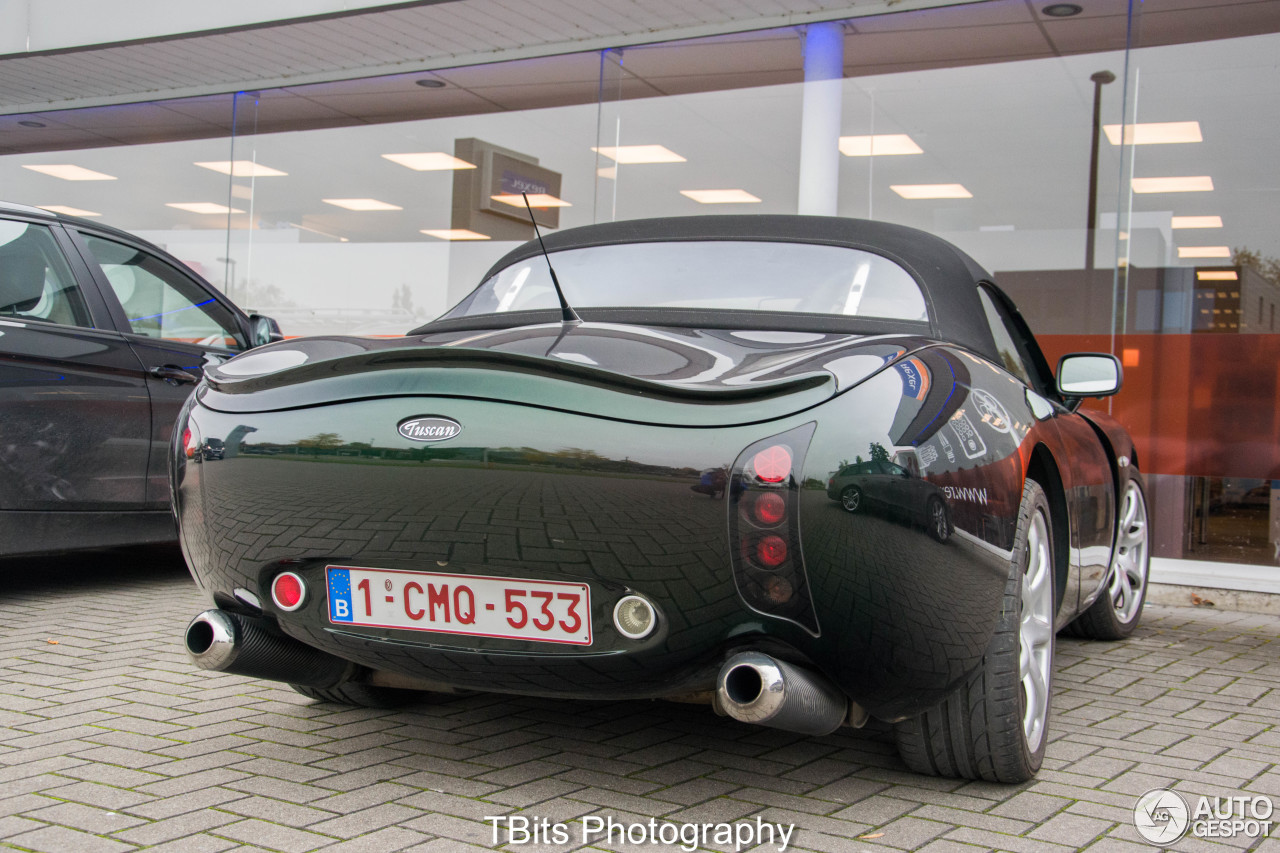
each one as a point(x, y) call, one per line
point(753, 687)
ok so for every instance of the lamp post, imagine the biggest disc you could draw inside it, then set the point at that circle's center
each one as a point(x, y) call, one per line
point(1100, 79)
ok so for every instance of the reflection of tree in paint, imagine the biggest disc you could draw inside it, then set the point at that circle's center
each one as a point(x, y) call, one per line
point(878, 452)
point(322, 441)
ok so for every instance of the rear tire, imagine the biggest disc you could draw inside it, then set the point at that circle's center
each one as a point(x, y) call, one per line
point(1118, 609)
point(937, 520)
point(993, 726)
point(851, 499)
point(360, 695)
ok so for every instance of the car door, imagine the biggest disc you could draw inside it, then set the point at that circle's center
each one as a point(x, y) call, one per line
point(75, 418)
point(176, 324)
point(1083, 464)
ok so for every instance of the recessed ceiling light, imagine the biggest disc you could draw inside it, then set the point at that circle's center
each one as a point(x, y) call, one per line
point(429, 161)
point(1196, 222)
point(361, 204)
point(1196, 184)
point(535, 200)
point(1204, 251)
point(1155, 133)
point(70, 173)
point(241, 168)
point(1062, 10)
point(720, 196)
point(430, 83)
point(640, 154)
point(64, 209)
point(202, 207)
point(878, 145)
point(30, 123)
point(918, 191)
point(454, 234)
point(1217, 275)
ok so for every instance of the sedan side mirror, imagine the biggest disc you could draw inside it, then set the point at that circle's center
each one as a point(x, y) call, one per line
point(1089, 374)
point(263, 330)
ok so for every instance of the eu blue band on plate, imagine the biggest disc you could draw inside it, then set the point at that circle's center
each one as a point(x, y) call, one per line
point(340, 609)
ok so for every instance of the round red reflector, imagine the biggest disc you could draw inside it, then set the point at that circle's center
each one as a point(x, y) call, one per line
point(288, 591)
point(772, 551)
point(769, 508)
point(773, 464)
point(186, 443)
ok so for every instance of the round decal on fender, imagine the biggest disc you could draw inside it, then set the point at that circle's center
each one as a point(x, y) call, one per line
point(429, 428)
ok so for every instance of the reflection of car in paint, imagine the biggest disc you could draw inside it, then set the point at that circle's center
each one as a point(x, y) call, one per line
point(213, 448)
point(102, 337)
point(559, 543)
point(880, 484)
point(711, 482)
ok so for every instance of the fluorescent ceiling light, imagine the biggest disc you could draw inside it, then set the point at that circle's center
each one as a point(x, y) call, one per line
point(1217, 275)
point(360, 204)
point(241, 168)
point(535, 200)
point(1197, 184)
point(640, 154)
point(878, 145)
point(1197, 222)
point(1155, 133)
point(429, 161)
point(1204, 252)
point(69, 211)
point(914, 191)
point(202, 207)
point(454, 234)
point(720, 196)
point(71, 173)
point(610, 172)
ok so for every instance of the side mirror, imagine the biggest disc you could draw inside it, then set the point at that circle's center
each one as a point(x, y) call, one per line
point(1089, 374)
point(263, 330)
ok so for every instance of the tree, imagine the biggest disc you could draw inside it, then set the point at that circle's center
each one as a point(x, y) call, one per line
point(878, 452)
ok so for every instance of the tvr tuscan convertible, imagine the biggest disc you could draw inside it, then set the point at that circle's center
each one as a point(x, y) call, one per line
point(631, 477)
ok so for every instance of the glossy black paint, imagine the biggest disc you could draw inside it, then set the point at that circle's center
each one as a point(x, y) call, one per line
point(611, 454)
point(86, 411)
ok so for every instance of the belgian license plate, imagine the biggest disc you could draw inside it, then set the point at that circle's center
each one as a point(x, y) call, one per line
point(510, 608)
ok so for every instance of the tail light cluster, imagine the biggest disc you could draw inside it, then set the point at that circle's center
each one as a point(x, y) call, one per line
point(764, 528)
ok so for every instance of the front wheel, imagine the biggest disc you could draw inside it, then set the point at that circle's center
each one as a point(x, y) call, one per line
point(937, 520)
point(1118, 609)
point(993, 726)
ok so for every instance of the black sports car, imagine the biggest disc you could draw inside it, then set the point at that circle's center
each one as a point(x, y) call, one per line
point(513, 498)
point(102, 337)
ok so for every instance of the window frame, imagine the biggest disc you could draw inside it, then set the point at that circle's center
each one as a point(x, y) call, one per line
point(101, 318)
point(120, 319)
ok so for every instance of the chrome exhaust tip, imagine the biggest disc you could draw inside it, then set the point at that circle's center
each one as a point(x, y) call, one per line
point(221, 641)
point(211, 640)
point(753, 687)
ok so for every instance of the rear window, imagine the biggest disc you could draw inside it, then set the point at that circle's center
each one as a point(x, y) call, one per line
point(728, 275)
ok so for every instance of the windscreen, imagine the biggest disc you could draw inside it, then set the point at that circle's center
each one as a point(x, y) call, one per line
point(727, 275)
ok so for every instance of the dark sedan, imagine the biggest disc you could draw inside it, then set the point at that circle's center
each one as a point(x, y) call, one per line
point(102, 337)
point(514, 498)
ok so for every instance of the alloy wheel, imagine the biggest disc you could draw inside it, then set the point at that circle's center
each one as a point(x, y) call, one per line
point(1035, 632)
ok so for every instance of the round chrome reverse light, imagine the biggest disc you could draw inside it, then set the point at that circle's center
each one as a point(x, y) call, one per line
point(634, 617)
point(288, 591)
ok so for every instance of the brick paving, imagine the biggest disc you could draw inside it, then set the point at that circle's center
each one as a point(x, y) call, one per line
point(112, 741)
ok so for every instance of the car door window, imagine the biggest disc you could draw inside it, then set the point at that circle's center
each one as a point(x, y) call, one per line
point(160, 302)
point(1012, 356)
point(35, 281)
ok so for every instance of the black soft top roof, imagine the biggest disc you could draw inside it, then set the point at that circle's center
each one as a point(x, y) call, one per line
point(946, 275)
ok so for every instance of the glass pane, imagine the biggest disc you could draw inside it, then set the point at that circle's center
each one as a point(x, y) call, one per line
point(35, 281)
point(158, 301)
point(715, 275)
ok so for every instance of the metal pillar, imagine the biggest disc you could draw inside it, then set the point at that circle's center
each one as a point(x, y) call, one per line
point(820, 121)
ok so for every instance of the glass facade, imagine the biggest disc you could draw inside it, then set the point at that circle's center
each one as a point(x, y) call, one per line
point(376, 228)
